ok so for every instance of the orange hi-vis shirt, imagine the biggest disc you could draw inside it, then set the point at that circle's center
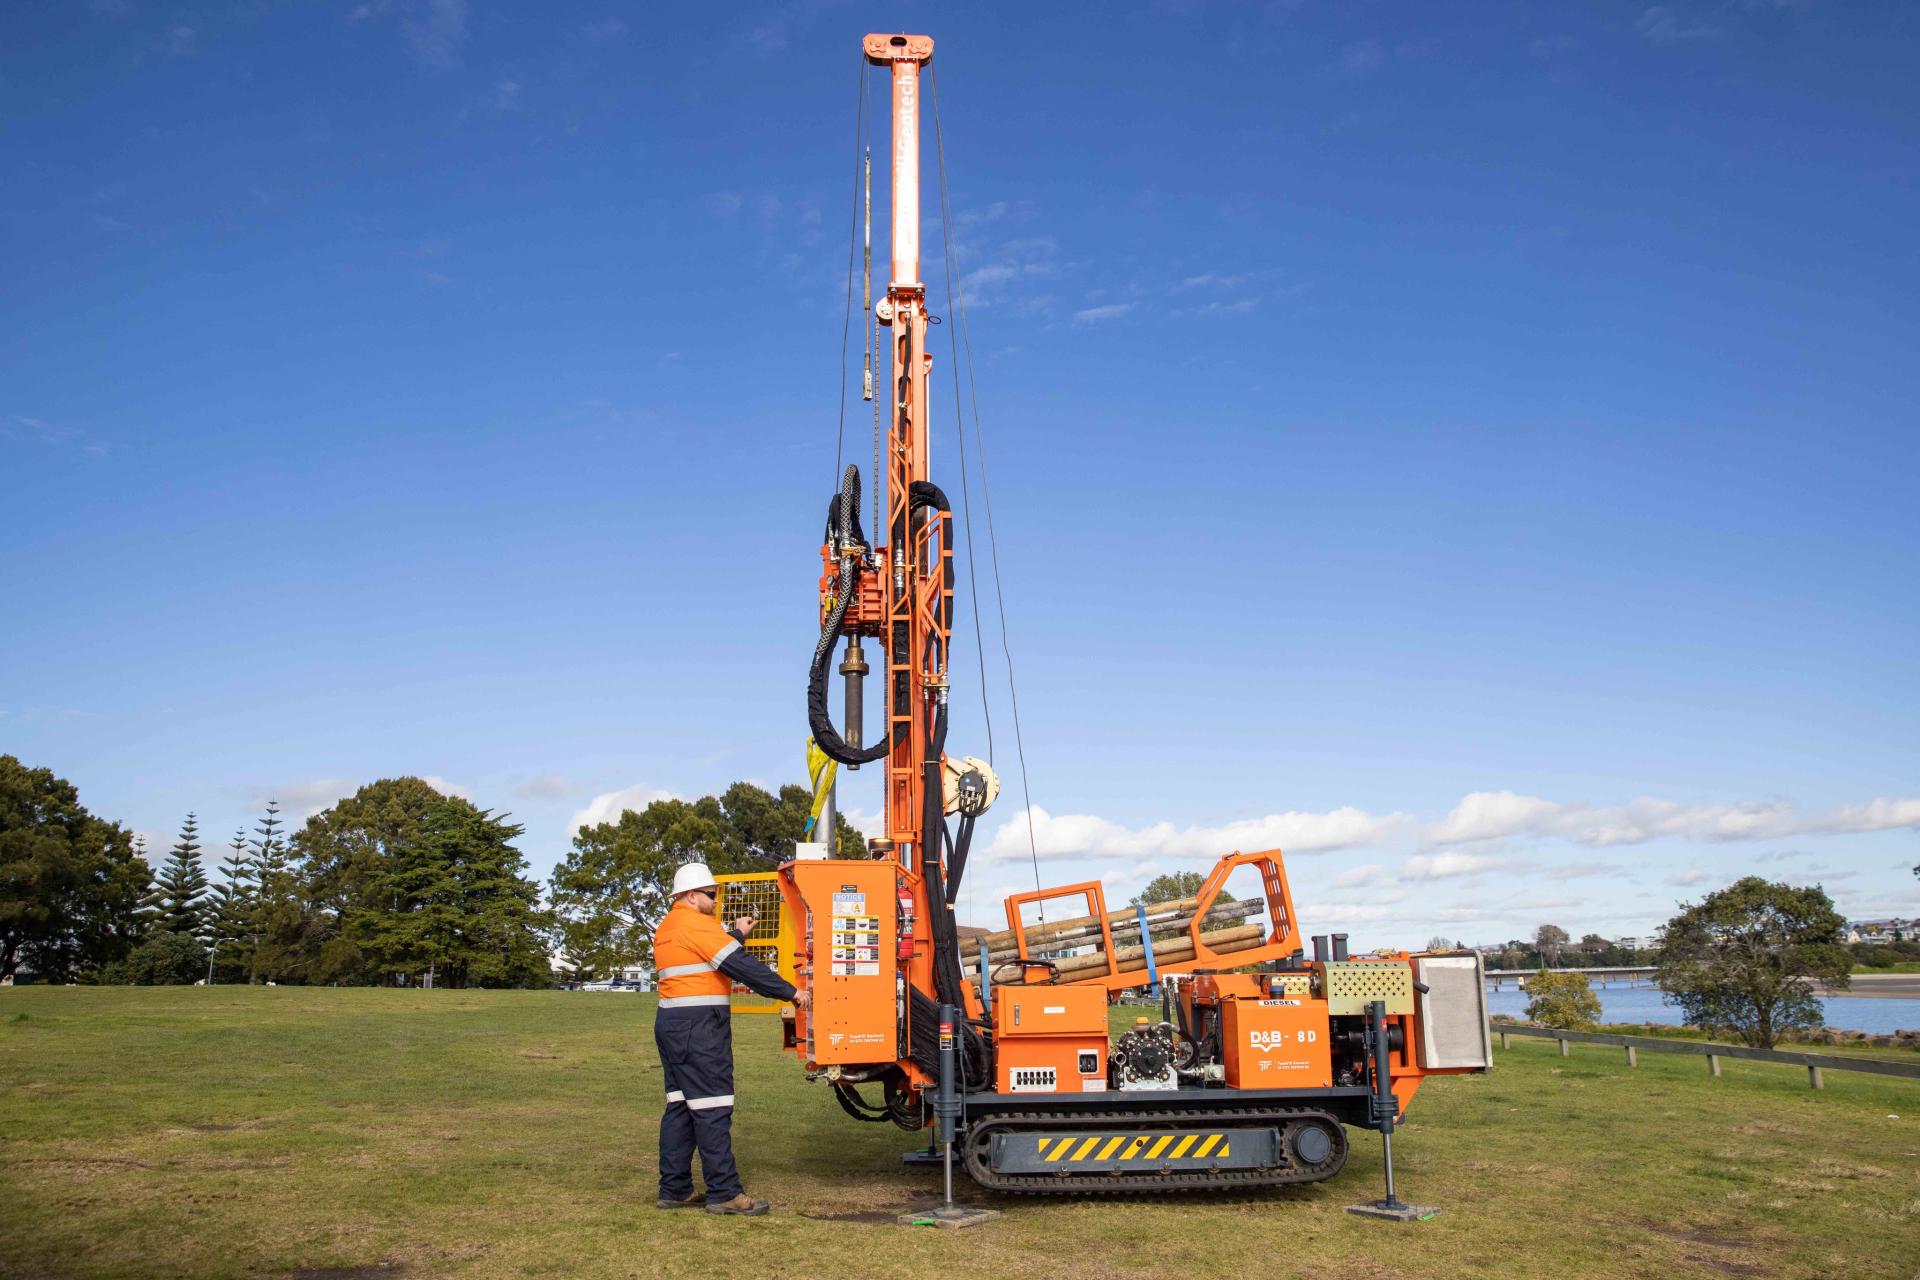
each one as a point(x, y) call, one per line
point(688, 947)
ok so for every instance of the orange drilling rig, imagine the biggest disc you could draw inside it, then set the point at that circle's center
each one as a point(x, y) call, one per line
point(1250, 1077)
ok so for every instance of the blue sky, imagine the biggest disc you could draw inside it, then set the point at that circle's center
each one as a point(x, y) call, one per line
point(1470, 446)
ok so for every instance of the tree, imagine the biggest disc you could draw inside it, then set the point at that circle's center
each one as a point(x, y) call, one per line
point(613, 886)
point(180, 889)
point(1173, 887)
point(1743, 960)
point(453, 901)
point(163, 959)
point(1563, 1000)
point(762, 828)
point(278, 913)
point(346, 854)
point(611, 889)
point(1440, 942)
point(232, 907)
point(1548, 939)
point(70, 884)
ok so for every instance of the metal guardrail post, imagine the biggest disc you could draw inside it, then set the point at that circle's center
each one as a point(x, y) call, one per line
point(1816, 1064)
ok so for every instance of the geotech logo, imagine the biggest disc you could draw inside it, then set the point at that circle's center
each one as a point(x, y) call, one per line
point(1268, 1041)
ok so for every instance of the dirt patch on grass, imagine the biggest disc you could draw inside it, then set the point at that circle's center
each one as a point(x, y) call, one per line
point(878, 1217)
point(379, 1271)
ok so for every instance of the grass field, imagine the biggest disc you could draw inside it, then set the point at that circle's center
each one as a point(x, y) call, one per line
point(340, 1134)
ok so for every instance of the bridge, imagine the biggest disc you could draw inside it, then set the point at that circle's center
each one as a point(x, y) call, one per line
point(1600, 974)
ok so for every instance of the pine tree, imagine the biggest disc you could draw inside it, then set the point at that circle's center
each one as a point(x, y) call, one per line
point(455, 902)
point(278, 912)
point(180, 889)
point(147, 914)
point(235, 903)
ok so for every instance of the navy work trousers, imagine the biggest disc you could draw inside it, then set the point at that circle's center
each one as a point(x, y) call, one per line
point(696, 1059)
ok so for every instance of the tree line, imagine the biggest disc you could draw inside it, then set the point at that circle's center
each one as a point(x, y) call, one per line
point(392, 884)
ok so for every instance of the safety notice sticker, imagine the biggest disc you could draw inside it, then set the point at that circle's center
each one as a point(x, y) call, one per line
point(849, 904)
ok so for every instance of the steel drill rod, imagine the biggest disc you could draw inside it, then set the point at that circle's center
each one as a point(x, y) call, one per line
point(1005, 937)
point(1080, 937)
point(1171, 951)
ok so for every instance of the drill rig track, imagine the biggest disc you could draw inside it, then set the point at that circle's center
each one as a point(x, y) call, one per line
point(978, 1144)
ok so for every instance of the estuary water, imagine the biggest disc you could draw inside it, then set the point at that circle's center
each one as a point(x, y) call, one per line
point(1874, 1015)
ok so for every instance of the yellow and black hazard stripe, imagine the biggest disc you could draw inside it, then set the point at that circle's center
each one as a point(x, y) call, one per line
point(1102, 1148)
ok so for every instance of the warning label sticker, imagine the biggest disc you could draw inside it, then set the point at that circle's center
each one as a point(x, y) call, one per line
point(849, 904)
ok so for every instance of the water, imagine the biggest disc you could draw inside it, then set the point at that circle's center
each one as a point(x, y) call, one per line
point(1649, 1004)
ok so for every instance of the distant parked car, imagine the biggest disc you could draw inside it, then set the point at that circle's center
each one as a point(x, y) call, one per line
point(610, 984)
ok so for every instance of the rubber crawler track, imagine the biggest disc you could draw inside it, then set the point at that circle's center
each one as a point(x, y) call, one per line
point(977, 1145)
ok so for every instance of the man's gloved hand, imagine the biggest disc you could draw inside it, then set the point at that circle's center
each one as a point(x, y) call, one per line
point(744, 925)
point(803, 999)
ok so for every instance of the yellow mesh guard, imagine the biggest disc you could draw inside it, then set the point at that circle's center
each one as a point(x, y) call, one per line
point(757, 894)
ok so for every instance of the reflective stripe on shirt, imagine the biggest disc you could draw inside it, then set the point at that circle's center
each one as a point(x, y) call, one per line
point(682, 970)
point(688, 1002)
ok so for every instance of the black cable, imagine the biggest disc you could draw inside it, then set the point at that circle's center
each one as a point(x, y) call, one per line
point(856, 1106)
point(986, 494)
point(853, 244)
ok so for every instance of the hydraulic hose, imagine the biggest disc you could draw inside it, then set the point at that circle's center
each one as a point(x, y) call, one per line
point(844, 534)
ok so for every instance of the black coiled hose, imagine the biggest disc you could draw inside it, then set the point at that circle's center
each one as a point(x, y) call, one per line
point(843, 532)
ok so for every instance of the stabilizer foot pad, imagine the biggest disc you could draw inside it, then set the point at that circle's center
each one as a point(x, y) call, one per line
point(953, 1219)
point(1394, 1212)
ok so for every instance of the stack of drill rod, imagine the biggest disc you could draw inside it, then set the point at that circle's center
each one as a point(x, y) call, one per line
point(1168, 924)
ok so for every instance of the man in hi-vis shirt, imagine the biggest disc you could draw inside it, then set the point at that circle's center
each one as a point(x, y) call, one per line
point(697, 962)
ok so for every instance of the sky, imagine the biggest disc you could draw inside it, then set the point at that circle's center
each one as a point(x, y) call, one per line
point(1469, 447)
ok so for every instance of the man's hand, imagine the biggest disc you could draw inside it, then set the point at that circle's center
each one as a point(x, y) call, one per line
point(803, 999)
point(744, 925)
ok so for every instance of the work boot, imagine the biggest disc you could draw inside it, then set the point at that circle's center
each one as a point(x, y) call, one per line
point(742, 1204)
point(693, 1201)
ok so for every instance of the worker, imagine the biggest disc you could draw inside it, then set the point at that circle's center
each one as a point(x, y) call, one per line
point(697, 963)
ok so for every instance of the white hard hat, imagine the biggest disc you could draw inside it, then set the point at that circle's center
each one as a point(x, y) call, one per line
point(691, 876)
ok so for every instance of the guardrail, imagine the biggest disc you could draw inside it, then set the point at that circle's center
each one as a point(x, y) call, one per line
point(1815, 1063)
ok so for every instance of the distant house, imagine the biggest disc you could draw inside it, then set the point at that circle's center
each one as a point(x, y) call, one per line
point(641, 975)
point(1883, 931)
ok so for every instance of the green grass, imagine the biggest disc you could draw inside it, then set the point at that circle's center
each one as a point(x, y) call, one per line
point(227, 1132)
point(1898, 966)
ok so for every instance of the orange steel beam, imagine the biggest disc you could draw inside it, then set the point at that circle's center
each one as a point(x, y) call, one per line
point(1282, 942)
point(912, 566)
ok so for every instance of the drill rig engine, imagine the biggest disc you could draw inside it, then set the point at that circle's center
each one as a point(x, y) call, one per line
point(1249, 1078)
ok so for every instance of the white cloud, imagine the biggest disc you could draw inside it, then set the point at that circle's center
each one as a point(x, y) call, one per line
point(1579, 870)
point(445, 787)
point(546, 786)
point(436, 30)
point(1489, 815)
point(609, 805)
point(301, 800)
point(1365, 873)
point(1449, 863)
point(1875, 815)
point(1493, 815)
point(1661, 25)
point(1692, 875)
point(1078, 835)
point(1094, 315)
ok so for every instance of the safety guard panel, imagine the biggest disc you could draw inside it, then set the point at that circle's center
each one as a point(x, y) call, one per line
point(1125, 1151)
point(757, 894)
point(1050, 1039)
point(1277, 1044)
point(849, 952)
